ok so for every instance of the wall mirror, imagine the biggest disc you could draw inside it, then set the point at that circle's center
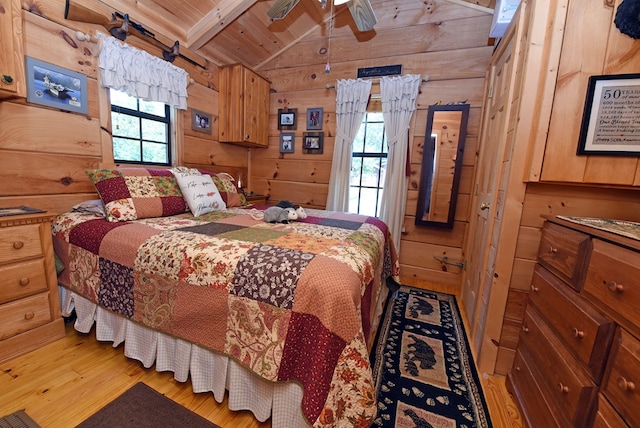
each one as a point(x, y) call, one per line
point(441, 164)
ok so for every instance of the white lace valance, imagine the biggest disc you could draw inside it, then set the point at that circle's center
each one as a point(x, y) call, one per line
point(141, 75)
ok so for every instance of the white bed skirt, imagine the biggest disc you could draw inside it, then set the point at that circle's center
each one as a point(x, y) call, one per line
point(210, 372)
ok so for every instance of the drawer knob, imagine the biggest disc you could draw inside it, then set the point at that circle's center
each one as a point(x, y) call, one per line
point(563, 388)
point(24, 281)
point(615, 287)
point(626, 385)
point(525, 329)
point(18, 244)
point(552, 250)
point(578, 334)
point(534, 288)
point(29, 316)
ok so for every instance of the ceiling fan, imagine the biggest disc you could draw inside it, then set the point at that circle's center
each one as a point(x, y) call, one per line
point(361, 11)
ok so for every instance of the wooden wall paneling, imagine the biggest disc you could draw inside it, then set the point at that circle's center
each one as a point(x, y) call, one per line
point(104, 103)
point(522, 274)
point(44, 173)
point(516, 304)
point(434, 235)
point(307, 194)
point(510, 333)
point(583, 55)
point(32, 129)
point(528, 242)
point(203, 151)
point(504, 361)
point(444, 65)
point(438, 276)
point(206, 100)
point(424, 255)
point(56, 44)
point(305, 170)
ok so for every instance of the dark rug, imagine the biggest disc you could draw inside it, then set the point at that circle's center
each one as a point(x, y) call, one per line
point(423, 368)
point(142, 406)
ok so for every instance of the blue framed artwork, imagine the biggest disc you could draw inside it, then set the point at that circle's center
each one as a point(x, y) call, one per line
point(57, 87)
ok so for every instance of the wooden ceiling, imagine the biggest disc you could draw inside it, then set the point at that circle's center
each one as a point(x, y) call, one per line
point(239, 31)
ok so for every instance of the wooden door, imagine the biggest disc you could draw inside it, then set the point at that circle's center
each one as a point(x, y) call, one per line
point(486, 203)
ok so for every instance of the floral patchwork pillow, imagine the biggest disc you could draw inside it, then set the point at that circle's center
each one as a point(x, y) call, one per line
point(133, 193)
point(226, 185)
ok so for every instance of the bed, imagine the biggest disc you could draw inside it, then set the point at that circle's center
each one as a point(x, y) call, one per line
point(225, 296)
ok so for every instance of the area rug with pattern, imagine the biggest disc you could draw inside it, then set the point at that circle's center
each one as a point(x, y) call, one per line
point(423, 368)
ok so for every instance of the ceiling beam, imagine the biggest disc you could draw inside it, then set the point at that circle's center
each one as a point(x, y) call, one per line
point(215, 21)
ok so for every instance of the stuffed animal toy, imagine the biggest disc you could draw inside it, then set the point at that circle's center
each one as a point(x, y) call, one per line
point(279, 215)
point(627, 18)
point(288, 204)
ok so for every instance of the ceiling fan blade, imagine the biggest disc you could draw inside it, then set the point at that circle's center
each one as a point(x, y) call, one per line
point(280, 8)
point(363, 15)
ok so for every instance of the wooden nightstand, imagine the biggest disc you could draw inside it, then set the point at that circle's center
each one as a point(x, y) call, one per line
point(256, 199)
point(29, 305)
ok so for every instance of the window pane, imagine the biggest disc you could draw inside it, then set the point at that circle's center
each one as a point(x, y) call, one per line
point(354, 193)
point(153, 130)
point(375, 117)
point(358, 142)
point(126, 150)
point(125, 125)
point(123, 100)
point(356, 165)
point(375, 132)
point(368, 202)
point(152, 107)
point(370, 171)
point(154, 152)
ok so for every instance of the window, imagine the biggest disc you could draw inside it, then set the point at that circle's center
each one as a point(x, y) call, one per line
point(368, 166)
point(141, 130)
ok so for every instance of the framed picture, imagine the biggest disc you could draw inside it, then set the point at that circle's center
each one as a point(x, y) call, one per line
point(200, 121)
point(314, 118)
point(287, 141)
point(312, 142)
point(287, 118)
point(610, 123)
point(54, 86)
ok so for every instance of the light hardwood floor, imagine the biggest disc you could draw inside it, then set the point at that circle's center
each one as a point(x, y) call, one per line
point(65, 382)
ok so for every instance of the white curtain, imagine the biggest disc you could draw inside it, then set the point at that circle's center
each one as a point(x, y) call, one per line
point(351, 106)
point(140, 74)
point(398, 104)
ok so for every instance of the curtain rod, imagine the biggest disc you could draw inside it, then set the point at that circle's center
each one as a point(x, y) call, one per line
point(330, 86)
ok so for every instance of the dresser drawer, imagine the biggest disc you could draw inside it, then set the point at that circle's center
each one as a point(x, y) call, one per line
point(613, 282)
point(606, 416)
point(564, 252)
point(20, 242)
point(22, 279)
point(24, 314)
point(584, 330)
point(532, 401)
point(622, 379)
point(569, 390)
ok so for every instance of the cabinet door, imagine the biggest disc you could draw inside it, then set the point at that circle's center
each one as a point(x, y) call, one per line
point(256, 109)
point(12, 77)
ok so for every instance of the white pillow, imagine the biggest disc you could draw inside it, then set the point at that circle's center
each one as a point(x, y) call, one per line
point(200, 193)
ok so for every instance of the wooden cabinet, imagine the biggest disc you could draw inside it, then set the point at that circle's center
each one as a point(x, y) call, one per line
point(12, 77)
point(578, 356)
point(29, 305)
point(243, 107)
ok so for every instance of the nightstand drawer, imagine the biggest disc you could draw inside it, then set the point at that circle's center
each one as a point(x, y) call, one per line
point(22, 279)
point(20, 242)
point(606, 416)
point(622, 382)
point(564, 252)
point(24, 315)
point(584, 330)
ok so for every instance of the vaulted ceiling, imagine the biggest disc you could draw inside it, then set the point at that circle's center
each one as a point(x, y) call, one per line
point(239, 31)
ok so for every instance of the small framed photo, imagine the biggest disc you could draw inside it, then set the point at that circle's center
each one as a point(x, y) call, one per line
point(314, 118)
point(312, 142)
point(57, 87)
point(610, 123)
point(200, 121)
point(287, 119)
point(287, 141)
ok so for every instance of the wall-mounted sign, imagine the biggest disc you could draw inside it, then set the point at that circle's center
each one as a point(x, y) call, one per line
point(385, 70)
point(610, 122)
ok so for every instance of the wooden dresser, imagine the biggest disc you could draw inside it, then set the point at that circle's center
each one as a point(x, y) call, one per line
point(29, 305)
point(577, 363)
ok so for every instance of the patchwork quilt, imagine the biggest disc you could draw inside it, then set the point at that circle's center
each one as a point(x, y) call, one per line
point(291, 302)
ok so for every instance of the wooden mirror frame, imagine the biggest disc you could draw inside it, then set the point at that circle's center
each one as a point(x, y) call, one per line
point(455, 138)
